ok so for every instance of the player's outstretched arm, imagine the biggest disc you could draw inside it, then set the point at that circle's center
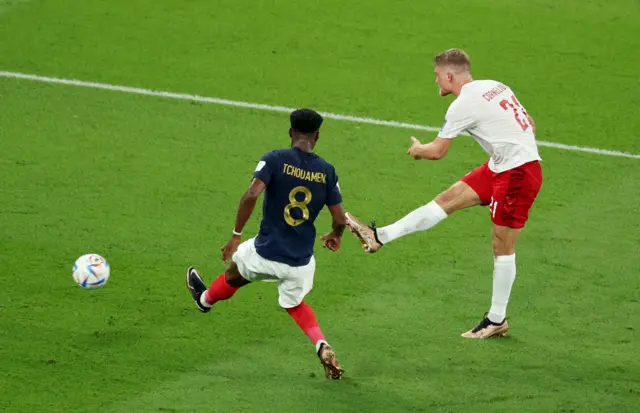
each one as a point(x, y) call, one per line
point(433, 151)
point(245, 209)
point(333, 240)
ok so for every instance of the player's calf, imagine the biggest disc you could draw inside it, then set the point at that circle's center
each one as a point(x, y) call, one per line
point(421, 219)
point(304, 316)
point(504, 270)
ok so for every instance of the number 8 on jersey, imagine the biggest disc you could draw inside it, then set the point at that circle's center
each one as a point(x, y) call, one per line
point(297, 204)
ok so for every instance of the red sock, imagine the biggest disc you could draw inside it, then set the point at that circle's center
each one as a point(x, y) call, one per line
point(219, 290)
point(306, 320)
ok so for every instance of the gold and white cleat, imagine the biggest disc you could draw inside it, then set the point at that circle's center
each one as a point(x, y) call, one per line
point(332, 368)
point(365, 233)
point(487, 329)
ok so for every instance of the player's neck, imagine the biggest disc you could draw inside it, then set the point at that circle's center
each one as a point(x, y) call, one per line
point(458, 89)
point(303, 145)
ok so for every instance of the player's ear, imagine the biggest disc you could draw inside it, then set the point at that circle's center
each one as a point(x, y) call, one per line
point(291, 132)
point(316, 136)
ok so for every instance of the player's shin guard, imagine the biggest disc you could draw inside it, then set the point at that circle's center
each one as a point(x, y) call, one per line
point(219, 290)
point(420, 219)
point(504, 274)
point(306, 320)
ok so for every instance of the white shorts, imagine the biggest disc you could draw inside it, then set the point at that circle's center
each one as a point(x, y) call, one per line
point(294, 283)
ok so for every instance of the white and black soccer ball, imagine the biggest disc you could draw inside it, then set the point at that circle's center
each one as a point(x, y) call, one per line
point(91, 271)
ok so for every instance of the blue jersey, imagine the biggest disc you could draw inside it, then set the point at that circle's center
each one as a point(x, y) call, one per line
point(299, 184)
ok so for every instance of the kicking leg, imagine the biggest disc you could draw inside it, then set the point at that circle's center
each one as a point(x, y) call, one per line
point(460, 195)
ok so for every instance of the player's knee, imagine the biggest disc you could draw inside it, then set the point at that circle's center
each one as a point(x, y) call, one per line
point(447, 196)
point(290, 297)
point(498, 248)
point(504, 240)
point(446, 201)
point(497, 252)
point(288, 304)
point(456, 197)
point(233, 277)
point(502, 246)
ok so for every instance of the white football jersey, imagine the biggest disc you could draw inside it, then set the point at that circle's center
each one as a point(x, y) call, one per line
point(489, 111)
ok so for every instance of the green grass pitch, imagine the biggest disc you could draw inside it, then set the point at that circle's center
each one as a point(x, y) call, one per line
point(152, 184)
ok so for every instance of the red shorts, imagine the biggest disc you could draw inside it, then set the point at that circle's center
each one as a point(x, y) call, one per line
point(509, 194)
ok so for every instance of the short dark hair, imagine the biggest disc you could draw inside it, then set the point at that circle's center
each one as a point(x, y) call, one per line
point(305, 121)
point(456, 58)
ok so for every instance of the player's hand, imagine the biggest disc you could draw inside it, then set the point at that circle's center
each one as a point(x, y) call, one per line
point(415, 149)
point(230, 248)
point(332, 241)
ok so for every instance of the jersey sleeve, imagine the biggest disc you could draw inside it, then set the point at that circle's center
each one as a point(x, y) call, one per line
point(457, 119)
point(264, 169)
point(334, 197)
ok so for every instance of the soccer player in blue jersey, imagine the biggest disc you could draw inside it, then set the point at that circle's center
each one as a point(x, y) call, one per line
point(298, 185)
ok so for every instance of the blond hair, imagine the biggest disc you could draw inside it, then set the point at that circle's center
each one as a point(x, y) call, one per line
point(454, 58)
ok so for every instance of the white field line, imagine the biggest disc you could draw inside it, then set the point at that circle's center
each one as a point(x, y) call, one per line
point(284, 109)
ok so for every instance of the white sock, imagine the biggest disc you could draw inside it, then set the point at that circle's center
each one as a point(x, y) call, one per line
point(504, 274)
point(319, 343)
point(421, 219)
point(203, 301)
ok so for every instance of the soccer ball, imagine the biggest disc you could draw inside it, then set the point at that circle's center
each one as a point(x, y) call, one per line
point(91, 271)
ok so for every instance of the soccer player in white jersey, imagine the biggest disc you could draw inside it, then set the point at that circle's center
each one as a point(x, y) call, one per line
point(508, 182)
